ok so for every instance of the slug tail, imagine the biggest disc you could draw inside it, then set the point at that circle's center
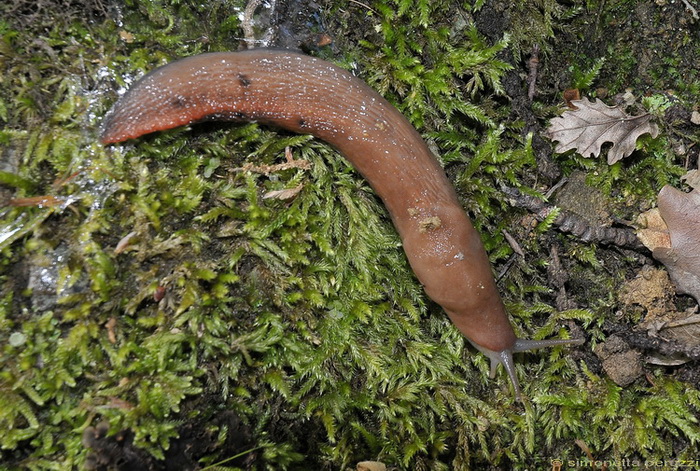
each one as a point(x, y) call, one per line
point(505, 357)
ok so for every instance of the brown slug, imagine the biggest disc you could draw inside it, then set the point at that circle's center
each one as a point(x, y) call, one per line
point(309, 95)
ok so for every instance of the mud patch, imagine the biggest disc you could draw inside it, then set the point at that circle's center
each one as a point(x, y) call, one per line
point(117, 452)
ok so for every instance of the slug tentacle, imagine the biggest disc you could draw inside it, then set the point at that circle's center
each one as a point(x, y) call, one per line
point(505, 357)
point(523, 345)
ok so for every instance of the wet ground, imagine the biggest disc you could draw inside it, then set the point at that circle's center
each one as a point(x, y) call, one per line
point(650, 48)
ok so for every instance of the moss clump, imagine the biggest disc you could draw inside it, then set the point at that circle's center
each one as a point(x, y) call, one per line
point(155, 289)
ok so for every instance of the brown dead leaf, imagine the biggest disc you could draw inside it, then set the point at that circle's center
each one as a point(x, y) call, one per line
point(117, 403)
point(570, 95)
point(651, 293)
point(126, 36)
point(286, 194)
point(681, 212)
point(111, 324)
point(692, 178)
point(124, 242)
point(595, 123)
point(680, 328)
point(653, 231)
point(291, 162)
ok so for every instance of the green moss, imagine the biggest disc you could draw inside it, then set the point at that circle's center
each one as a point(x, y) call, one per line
point(535, 24)
point(300, 317)
point(614, 422)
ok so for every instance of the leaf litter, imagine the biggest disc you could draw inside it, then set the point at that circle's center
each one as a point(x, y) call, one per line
point(672, 233)
point(593, 123)
point(681, 213)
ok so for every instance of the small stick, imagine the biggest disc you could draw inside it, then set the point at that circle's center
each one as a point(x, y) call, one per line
point(247, 23)
point(364, 5)
point(532, 65)
point(567, 221)
point(692, 9)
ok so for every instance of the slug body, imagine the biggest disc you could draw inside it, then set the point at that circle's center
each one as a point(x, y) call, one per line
point(307, 95)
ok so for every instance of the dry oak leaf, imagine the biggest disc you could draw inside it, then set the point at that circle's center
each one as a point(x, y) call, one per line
point(595, 123)
point(653, 231)
point(681, 212)
point(692, 178)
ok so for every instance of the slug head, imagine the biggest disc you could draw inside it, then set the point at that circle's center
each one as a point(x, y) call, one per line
point(505, 357)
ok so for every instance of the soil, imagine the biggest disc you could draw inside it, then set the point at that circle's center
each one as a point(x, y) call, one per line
point(301, 24)
point(116, 452)
point(643, 39)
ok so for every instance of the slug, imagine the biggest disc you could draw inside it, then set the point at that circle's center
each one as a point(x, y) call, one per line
point(304, 94)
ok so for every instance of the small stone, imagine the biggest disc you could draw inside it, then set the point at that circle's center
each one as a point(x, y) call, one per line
point(17, 339)
point(695, 117)
point(622, 364)
point(371, 466)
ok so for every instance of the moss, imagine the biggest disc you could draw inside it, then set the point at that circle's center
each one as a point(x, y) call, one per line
point(302, 318)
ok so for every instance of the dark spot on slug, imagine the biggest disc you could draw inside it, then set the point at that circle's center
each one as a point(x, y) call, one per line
point(178, 102)
point(243, 80)
point(302, 123)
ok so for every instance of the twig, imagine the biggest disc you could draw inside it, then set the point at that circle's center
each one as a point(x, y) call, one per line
point(569, 222)
point(268, 169)
point(532, 65)
point(247, 23)
point(365, 5)
point(559, 184)
point(692, 9)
